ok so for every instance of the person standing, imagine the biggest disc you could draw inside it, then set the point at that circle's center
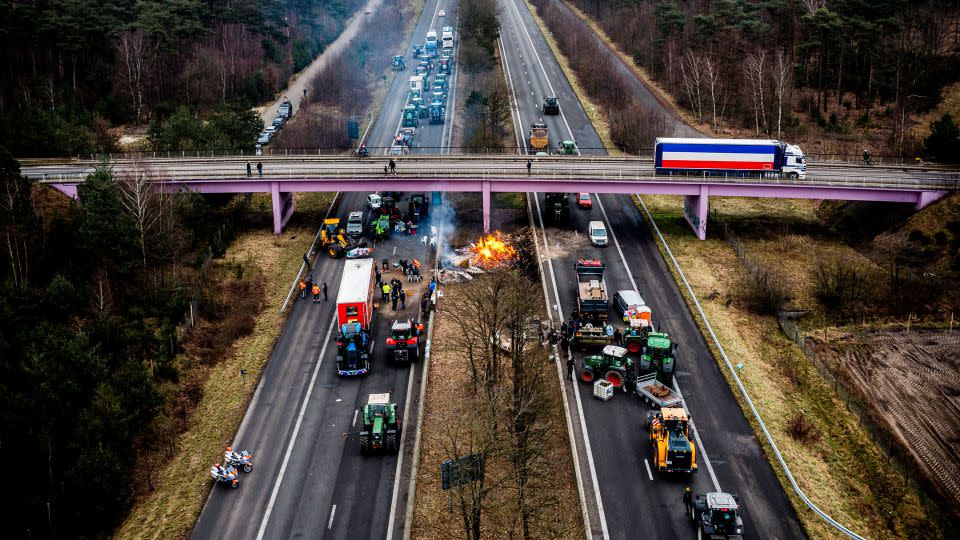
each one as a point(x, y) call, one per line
point(393, 166)
point(376, 269)
point(310, 283)
point(403, 300)
point(306, 261)
point(324, 288)
point(571, 367)
point(303, 288)
point(260, 168)
point(249, 171)
point(393, 298)
point(529, 165)
point(565, 346)
point(618, 337)
point(687, 499)
point(385, 292)
point(316, 293)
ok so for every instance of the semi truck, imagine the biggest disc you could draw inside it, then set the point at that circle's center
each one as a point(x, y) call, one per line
point(538, 137)
point(431, 44)
point(729, 157)
point(356, 294)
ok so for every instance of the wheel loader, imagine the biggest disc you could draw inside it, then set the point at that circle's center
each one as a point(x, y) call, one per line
point(670, 444)
point(334, 241)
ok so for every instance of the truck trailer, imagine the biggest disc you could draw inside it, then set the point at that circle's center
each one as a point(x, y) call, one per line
point(356, 294)
point(729, 157)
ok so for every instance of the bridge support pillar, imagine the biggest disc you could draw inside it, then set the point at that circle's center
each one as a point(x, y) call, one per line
point(282, 207)
point(486, 206)
point(696, 208)
point(926, 197)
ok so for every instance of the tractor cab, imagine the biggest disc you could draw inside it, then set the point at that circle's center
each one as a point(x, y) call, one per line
point(410, 116)
point(567, 148)
point(399, 64)
point(417, 49)
point(330, 228)
point(717, 515)
point(421, 70)
point(659, 355)
point(353, 350)
point(440, 78)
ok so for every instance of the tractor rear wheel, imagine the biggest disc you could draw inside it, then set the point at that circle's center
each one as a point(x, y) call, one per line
point(615, 377)
point(587, 374)
point(364, 442)
point(633, 346)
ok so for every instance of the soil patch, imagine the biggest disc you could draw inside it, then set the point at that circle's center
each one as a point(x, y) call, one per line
point(911, 382)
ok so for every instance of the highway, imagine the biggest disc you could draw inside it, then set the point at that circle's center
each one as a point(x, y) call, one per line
point(624, 499)
point(302, 426)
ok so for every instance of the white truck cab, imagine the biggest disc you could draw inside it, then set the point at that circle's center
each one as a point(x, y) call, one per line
point(416, 83)
point(794, 163)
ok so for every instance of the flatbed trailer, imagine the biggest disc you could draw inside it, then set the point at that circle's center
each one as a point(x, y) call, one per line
point(655, 393)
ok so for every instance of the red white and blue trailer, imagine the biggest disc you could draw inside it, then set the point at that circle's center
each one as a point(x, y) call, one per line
point(729, 157)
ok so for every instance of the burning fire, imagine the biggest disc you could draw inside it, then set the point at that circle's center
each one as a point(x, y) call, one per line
point(491, 251)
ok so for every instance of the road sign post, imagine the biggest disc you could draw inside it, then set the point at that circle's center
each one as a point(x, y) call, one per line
point(461, 471)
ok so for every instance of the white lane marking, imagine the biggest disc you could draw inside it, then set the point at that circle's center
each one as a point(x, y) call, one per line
point(576, 391)
point(514, 110)
point(676, 386)
point(355, 413)
point(394, 250)
point(296, 431)
point(333, 513)
point(646, 463)
point(396, 475)
point(447, 133)
point(545, 76)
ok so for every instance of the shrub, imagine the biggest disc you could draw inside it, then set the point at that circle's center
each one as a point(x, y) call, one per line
point(764, 292)
point(800, 429)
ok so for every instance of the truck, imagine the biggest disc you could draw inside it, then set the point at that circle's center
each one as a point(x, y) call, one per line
point(591, 290)
point(557, 208)
point(403, 345)
point(446, 34)
point(382, 425)
point(670, 444)
point(431, 45)
point(716, 517)
point(356, 294)
point(539, 137)
point(757, 158)
point(416, 84)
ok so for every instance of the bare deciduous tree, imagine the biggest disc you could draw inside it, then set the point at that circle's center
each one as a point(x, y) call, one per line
point(138, 52)
point(143, 200)
point(714, 80)
point(782, 78)
point(755, 67)
point(691, 70)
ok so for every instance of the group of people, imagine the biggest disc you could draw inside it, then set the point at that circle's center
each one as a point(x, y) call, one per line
point(259, 169)
point(394, 292)
point(309, 286)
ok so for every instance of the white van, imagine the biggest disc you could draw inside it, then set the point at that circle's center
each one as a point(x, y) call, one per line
point(597, 232)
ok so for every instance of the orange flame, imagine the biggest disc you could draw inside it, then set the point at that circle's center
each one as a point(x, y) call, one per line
point(492, 251)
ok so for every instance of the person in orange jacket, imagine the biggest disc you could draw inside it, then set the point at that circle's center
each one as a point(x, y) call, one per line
point(303, 288)
point(316, 292)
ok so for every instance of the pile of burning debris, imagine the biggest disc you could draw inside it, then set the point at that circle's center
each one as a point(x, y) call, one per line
point(490, 252)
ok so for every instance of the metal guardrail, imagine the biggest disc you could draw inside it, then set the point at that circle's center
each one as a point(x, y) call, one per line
point(763, 427)
point(571, 172)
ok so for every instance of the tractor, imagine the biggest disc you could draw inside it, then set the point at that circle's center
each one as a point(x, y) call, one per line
point(403, 345)
point(419, 206)
point(381, 425)
point(399, 64)
point(380, 227)
point(551, 105)
point(353, 350)
point(567, 148)
point(670, 444)
point(613, 363)
point(410, 116)
point(417, 49)
point(716, 517)
point(437, 112)
point(659, 355)
point(334, 241)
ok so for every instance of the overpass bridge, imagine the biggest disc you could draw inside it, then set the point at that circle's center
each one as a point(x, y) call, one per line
point(283, 176)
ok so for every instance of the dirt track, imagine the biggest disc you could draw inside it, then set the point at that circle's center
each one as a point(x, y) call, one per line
point(912, 381)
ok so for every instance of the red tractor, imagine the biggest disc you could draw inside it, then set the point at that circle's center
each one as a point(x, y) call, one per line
point(403, 345)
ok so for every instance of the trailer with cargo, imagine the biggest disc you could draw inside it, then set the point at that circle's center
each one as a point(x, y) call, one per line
point(742, 158)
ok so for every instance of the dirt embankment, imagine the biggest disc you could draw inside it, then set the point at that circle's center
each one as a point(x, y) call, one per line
point(911, 383)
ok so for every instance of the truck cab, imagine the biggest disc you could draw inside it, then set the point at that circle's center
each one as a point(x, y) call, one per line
point(794, 163)
point(431, 44)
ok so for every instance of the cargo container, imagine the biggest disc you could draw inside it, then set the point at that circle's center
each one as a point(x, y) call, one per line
point(729, 157)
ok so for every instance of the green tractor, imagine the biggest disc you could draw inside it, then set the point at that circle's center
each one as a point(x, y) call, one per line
point(612, 364)
point(381, 425)
point(659, 355)
point(551, 105)
point(567, 148)
point(410, 116)
point(436, 112)
point(399, 64)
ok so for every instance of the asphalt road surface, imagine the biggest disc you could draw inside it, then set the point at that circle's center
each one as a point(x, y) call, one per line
point(310, 480)
point(625, 500)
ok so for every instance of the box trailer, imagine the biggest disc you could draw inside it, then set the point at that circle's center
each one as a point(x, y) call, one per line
point(356, 294)
point(729, 157)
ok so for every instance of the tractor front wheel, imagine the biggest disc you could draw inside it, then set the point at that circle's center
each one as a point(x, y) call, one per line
point(615, 377)
point(587, 374)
